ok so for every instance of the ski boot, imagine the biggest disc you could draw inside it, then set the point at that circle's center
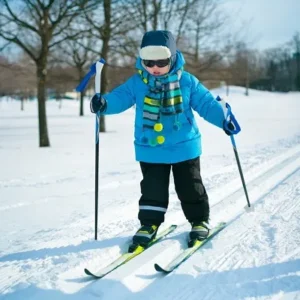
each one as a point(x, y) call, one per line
point(143, 237)
point(199, 231)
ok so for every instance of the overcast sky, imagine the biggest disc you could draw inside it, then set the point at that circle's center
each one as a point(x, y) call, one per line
point(272, 22)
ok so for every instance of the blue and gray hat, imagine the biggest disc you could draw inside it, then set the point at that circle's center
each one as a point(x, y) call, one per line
point(158, 44)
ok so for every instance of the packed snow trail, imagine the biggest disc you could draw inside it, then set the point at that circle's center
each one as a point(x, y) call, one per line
point(274, 176)
point(47, 207)
point(245, 261)
point(140, 275)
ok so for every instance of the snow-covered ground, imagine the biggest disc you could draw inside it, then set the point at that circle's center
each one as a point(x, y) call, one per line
point(47, 207)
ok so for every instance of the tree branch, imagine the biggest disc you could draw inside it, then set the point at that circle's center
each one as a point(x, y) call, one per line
point(17, 20)
point(16, 40)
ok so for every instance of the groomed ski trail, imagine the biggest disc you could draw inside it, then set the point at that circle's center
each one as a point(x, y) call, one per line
point(261, 187)
point(131, 278)
point(248, 260)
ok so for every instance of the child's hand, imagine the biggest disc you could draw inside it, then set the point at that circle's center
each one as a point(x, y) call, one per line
point(97, 104)
point(228, 127)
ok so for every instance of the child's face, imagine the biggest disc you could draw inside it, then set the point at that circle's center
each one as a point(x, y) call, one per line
point(156, 71)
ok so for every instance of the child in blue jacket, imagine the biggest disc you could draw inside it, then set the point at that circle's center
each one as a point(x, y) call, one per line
point(166, 134)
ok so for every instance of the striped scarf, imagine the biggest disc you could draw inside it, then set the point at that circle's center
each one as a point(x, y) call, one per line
point(163, 97)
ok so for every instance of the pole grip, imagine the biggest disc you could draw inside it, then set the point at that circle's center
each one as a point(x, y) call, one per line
point(99, 67)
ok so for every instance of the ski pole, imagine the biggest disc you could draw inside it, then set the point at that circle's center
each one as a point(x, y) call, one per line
point(96, 70)
point(240, 168)
point(99, 66)
point(229, 116)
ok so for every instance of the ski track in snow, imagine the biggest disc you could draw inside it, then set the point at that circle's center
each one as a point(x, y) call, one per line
point(236, 255)
point(231, 252)
point(228, 268)
point(248, 260)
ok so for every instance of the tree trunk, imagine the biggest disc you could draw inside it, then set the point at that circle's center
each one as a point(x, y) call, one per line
point(59, 98)
point(197, 38)
point(156, 11)
point(105, 50)
point(81, 94)
point(144, 15)
point(247, 76)
point(81, 112)
point(22, 103)
point(41, 88)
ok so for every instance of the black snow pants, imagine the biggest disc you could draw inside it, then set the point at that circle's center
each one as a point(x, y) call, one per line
point(190, 190)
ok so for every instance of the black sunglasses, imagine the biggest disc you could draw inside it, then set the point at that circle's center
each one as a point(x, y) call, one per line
point(161, 63)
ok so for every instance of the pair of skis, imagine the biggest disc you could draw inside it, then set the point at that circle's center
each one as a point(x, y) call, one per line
point(177, 261)
point(124, 258)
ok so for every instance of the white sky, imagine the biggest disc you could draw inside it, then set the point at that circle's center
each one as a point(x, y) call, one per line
point(271, 22)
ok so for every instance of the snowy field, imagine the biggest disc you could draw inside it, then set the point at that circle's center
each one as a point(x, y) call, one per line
point(47, 207)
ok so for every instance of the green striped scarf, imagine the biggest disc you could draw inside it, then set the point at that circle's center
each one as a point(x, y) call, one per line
point(163, 97)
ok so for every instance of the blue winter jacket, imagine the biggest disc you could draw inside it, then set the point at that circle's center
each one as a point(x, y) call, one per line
point(179, 145)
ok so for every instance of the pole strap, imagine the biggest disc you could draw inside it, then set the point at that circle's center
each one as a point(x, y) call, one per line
point(229, 117)
point(84, 82)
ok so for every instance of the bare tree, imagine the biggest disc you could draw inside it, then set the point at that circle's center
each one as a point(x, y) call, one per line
point(206, 41)
point(242, 66)
point(158, 14)
point(36, 26)
point(132, 18)
point(198, 26)
point(104, 32)
point(111, 25)
point(78, 56)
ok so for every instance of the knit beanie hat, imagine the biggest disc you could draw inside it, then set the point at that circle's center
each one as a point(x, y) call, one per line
point(158, 44)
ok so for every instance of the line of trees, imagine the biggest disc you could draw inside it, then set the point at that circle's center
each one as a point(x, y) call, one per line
point(60, 39)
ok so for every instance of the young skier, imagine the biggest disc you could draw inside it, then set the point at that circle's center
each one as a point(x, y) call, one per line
point(166, 134)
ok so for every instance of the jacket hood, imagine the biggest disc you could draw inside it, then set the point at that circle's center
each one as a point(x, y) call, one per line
point(158, 44)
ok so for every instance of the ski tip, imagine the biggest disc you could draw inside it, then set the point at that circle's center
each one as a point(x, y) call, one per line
point(87, 272)
point(158, 268)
